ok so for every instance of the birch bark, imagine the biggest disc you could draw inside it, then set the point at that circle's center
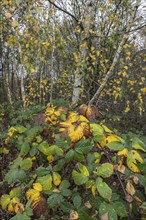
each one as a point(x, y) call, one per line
point(79, 74)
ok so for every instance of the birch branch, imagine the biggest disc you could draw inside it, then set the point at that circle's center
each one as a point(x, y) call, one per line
point(115, 60)
point(109, 73)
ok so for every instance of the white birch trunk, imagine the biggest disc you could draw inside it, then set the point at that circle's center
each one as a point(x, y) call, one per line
point(79, 75)
point(53, 75)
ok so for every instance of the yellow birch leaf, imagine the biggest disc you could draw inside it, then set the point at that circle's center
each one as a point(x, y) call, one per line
point(8, 14)
point(14, 23)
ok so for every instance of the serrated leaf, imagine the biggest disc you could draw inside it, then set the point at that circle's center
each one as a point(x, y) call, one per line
point(45, 149)
point(96, 129)
point(79, 157)
point(107, 130)
point(15, 192)
point(69, 155)
point(107, 208)
point(120, 208)
point(58, 151)
point(115, 146)
point(25, 148)
point(77, 201)
point(37, 186)
point(83, 146)
point(42, 171)
point(79, 178)
point(83, 169)
point(132, 158)
point(105, 170)
point(56, 178)
point(138, 144)
point(20, 129)
point(64, 185)
point(114, 138)
point(26, 164)
point(4, 200)
point(45, 181)
point(104, 190)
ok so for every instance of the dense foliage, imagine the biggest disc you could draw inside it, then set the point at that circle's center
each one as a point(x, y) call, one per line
point(64, 164)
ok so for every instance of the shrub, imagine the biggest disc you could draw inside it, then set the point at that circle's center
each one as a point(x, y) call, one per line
point(68, 166)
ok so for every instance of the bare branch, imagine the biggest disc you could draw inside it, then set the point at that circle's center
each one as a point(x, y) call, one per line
point(63, 10)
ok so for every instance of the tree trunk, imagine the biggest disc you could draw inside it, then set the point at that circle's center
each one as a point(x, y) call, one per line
point(85, 34)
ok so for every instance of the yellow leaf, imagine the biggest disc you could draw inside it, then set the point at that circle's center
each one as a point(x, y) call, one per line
point(73, 215)
point(13, 202)
point(4, 200)
point(50, 158)
point(88, 205)
point(8, 14)
point(19, 207)
point(56, 179)
point(73, 117)
point(37, 186)
point(130, 188)
point(75, 133)
point(107, 129)
point(132, 159)
point(14, 23)
point(113, 138)
point(137, 199)
point(123, 152)
point(32, 194)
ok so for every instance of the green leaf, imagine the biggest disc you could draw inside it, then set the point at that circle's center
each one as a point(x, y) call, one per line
point(84, 215)
point(115, 146)
point(58, 151)
point(45, 149)
point(42, 171)
point(22, 216)
point(21, 129)
point(79, 178)
point(26, 164)
point(77, 201)
point(15, 192)
point(59, 165)
point(109, 209)
point(105, 170)
point(64, 185)
point(69, 155)
point(104, 190)
point(138, 144)
point(60, 142)
point(54, 200)
point(66, 192)
point(25, 148)
point(79, 157)
point(4, 200)
point(46, 182)
point(21, 175)
point(83, 146)
point(120, 209)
